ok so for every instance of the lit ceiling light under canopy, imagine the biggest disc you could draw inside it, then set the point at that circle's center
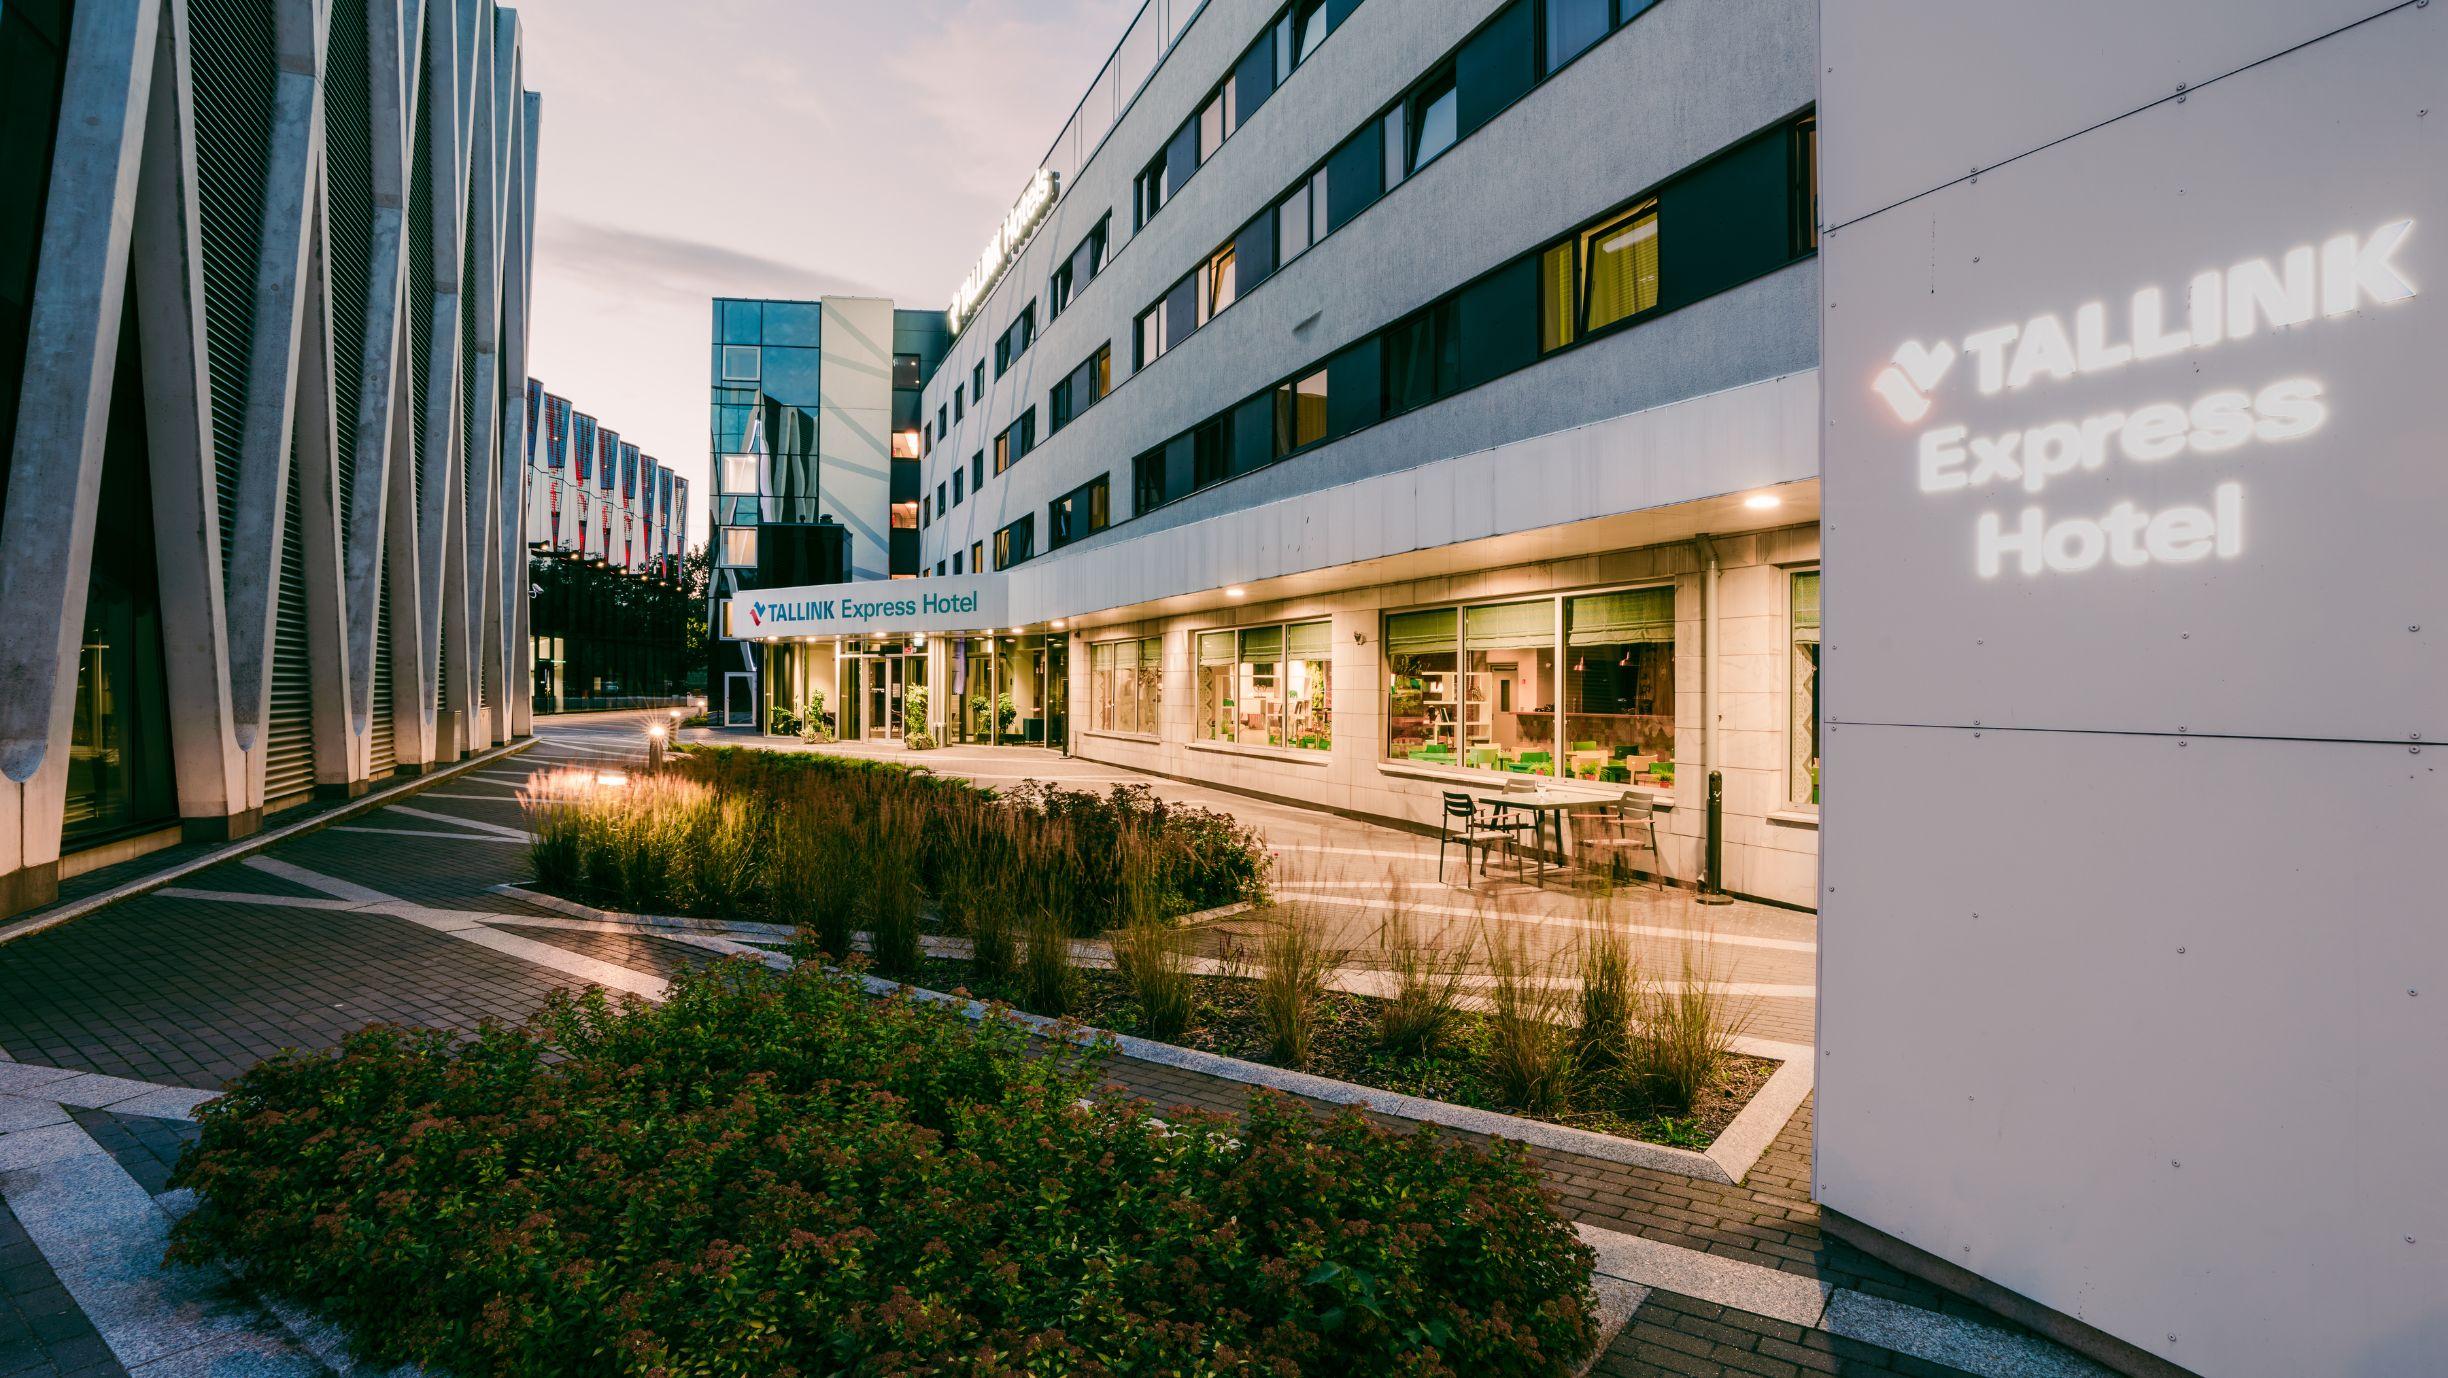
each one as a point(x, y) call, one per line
point(1761, 502)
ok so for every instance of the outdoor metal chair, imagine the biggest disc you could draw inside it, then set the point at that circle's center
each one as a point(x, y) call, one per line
point(1464, 823)
point(1627, 826)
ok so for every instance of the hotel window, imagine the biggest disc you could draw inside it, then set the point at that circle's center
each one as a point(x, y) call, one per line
point(1150, 336)
point(958, 410)
point(1298, 35)
point(1573, 25)
point(1079, 269)
point(1803, 194)
point(1804, 788)
point(905, 516)
point(1220, 281)
point(1147, 482)
point(977, 557)
point(739, 474)
point(1433, 111)
point(956, 562)
point(1016, 441)
point(1619, 690)
point(940, 507)
point(739, 363)
point(1619, 264)
point(977, 382)
point(1300, 413)
point(939, 569)
point(1215, 122)
point(1480, 686)
point(960, 483)
point(1016, 544)
point(905, 371)
point(1079, 513)
point(740, 546)
point(1508, 673)
point(1422, 357)
point(1425, 706)
point(1016, 339)
point(1300, 220)
point(905, 445)
point(1125, 686)
point(1268, 686)
point(1081, 389)
point(977, 471)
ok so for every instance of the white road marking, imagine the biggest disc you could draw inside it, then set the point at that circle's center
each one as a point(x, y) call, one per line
point(429, 832)
point(103, 1236)
point(498, 830)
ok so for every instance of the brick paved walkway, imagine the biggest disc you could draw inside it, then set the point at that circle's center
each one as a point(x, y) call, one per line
point(190, 985)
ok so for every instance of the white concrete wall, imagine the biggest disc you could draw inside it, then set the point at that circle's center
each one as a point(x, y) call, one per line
point(854, 429)
point(2132, 955)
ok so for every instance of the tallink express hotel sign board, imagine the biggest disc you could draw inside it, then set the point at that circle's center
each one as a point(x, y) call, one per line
point(2135, 538)
point(898, 607)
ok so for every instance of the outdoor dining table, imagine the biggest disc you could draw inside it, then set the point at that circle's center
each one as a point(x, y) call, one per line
point(1546, 808)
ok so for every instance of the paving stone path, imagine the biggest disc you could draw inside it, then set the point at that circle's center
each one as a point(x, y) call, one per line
point(113, 1026)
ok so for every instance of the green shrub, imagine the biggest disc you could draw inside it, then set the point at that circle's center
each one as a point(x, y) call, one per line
point(774, 1173)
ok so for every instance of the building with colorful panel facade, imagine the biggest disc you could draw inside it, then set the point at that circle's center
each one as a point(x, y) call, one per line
point(593, 496)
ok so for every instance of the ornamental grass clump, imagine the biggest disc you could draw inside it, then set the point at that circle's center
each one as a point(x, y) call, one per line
point(1610, 985)
point(1150, 950)
point(1294, 965)
point(1425, 1008)
point(1684, 1035)
point(893, 898)
point(1529, 1027)
point(774, 1173)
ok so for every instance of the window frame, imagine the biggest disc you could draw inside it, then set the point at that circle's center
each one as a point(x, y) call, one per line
point(1560, 602)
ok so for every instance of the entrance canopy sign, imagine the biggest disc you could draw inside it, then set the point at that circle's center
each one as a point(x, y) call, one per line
point(900, 607)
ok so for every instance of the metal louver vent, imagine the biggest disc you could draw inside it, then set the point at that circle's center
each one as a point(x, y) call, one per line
point(235, 72)
point(380, 733)
point(289, 767)
point(349, 229)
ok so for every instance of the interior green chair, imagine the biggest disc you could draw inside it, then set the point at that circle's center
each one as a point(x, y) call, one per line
point(1585, 746)
point(1615, 775)
point(1538, 758)
point(1485, 756)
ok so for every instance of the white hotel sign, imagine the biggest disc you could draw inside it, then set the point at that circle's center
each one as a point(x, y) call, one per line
point(2176, 420)
point(897, 607)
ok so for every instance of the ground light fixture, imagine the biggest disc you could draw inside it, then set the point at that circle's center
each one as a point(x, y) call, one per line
point(611, 779)
point(1761, 502)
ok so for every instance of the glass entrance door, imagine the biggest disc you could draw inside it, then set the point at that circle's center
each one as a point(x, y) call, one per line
point(1058, 692)
point(884, 684)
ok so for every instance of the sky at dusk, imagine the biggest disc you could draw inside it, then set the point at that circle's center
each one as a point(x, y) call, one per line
point(777, 148)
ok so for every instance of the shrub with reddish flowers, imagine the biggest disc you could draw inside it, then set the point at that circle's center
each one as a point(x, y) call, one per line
point(777, 1174)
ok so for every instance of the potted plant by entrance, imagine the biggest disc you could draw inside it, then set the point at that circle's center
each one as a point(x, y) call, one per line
point(814, 724)
point(914, 734)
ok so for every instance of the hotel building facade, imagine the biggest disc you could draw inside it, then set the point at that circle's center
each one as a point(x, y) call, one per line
point(1371, 399)
point(263, 324)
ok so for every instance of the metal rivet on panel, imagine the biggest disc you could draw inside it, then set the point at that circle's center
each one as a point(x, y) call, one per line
point(2180, 952)
point(2173, 1163)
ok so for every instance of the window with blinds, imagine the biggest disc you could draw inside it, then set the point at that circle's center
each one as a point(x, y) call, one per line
point(1576, 685)
point(1270, 686)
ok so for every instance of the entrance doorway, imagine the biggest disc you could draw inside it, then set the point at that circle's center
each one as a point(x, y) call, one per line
point(739, 699)
point(876, 679)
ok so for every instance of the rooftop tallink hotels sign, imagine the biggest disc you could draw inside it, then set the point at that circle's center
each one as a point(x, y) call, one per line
point(2174, 417)
point(901, 607)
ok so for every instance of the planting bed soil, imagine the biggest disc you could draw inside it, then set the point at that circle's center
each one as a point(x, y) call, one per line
point(1227, 1022)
